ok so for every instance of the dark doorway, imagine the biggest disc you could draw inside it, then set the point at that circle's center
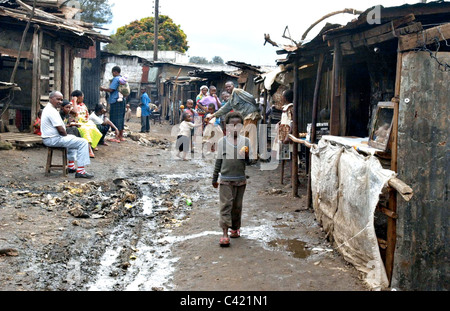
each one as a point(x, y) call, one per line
point(358, 100)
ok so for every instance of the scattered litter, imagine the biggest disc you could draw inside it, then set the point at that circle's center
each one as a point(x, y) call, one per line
point(9, 252)
point(320, 249)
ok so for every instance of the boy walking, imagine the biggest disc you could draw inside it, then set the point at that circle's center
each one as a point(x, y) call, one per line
point(232, 152)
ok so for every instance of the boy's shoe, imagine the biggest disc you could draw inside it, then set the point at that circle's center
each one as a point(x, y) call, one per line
point(85, 175)
point(224, 242)
point(71, 171)
point(235, 233)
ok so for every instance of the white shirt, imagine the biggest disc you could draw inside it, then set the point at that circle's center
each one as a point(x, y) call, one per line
point(50, 119)
point(98, 120)
point(185, 128)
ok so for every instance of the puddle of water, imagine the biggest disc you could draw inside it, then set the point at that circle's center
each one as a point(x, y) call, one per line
point(296, 247)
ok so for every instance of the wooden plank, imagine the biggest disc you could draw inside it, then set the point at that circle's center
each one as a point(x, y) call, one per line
point(382, 243)
point(391, 222)
point(301, 141)
point(373, 32)
point(47, 52)
point(343, 102)
point(335, 92)
point(388, 212)
point(425, 37)
point(403, 189)
point(294, 162)
point(348, 47)
point(35, 82)
point(13, 135)
point(314, 123)
point(69, 12)
point(15, 53)
point(385, 28)
point(57, 64)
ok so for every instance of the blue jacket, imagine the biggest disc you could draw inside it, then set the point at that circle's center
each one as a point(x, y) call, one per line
point(145, 105)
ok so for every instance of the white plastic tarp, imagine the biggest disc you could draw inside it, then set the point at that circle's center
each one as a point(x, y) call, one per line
point(345, 189)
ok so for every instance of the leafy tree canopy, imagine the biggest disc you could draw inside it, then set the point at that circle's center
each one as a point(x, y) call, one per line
point(139, 35)
point(217, 60)
point(97, 12)
point(198, 60)
point(203, 60)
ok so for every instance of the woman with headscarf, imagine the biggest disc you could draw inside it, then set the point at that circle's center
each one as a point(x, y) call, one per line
point(201, 110)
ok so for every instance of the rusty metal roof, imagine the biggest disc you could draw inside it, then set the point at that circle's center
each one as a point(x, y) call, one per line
point(245, 66)
point(426, 11)
point(19, 11)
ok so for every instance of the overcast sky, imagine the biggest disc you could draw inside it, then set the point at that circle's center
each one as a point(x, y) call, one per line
point(234, 29)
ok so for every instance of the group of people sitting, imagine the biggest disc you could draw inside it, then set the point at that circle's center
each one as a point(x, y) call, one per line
point(64, 123)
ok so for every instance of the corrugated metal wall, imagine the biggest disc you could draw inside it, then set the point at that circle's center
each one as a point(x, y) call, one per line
point(421, 255)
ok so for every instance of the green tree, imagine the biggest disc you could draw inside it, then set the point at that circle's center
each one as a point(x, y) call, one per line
point(139, 35)
point(202, 60)
point(198, 60)
point(217, 60)
point(97, 12)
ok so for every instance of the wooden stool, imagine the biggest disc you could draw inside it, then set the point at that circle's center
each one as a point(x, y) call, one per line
point(51, 166)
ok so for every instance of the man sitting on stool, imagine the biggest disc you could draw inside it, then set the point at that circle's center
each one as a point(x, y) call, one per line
point(54, 134)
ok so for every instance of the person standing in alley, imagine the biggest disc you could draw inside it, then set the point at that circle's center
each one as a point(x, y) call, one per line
point(201, 110)
point(116, 107)
point(232, 152)
point(146, 112)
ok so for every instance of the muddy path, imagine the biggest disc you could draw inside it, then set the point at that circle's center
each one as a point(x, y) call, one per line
point(133, 227)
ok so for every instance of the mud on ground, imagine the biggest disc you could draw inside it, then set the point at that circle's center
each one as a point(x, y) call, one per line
point(131, 227)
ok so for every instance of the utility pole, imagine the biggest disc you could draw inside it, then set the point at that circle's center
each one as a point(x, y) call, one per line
point(155, 41)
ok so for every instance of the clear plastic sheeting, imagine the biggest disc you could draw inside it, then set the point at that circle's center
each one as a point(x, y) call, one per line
point(345, 191)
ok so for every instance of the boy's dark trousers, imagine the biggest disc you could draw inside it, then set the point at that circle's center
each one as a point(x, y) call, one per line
point(145, 124)
point(104, 130)
point(231, 198)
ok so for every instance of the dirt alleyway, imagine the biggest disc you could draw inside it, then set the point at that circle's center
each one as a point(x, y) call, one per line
point(281, 247)
point(157, 242)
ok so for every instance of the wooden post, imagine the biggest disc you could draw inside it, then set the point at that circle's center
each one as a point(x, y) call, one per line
point(156, 30)
point(343, 102)
point(36, 81)
point(294, 160)
point(66, 73)
point(392, 222)
point(264, 107)
point(175, 114)
point(314, 122)
point(336, 91)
